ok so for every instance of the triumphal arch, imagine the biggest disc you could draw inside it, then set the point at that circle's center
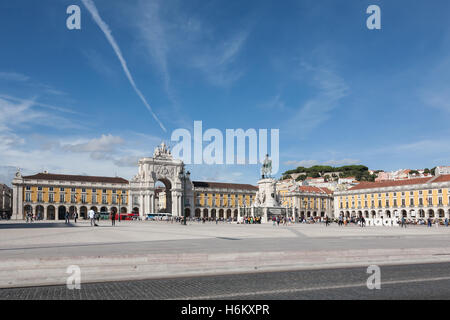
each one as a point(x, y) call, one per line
point(164, 168)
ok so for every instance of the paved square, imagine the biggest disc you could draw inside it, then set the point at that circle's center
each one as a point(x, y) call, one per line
point(39, 253)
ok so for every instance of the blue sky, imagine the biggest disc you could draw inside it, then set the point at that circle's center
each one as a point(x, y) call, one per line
point(338, 92)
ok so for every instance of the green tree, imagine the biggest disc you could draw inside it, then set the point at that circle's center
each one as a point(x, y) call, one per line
point(301, 177)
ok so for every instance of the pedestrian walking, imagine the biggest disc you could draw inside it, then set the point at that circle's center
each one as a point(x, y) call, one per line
point(113, 219)
point(29, 217)
point(446, 222)
point(67, 216)
point(91, 214)
point(403, 222)
point(75, 217)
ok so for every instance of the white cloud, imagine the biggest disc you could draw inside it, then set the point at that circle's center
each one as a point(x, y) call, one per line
point(97, 62)
point(13, 76)
point(155, 40)
point(106, 143)
point(217, 62)
point(90, 5)
point(436, 91)
point(25, 81)
point(331, 90)
point(228, 173)
point(301, 163)
point(171, 36)
point(276, 103)
point(16, 114)
point(35, 103)
point(425, 146)
point(105, 155)
point(23, 113)
point(310, 163)
point(7, 174)
point(127, 161)
point(342, 162)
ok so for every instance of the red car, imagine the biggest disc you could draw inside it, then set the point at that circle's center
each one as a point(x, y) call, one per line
point(128, 216)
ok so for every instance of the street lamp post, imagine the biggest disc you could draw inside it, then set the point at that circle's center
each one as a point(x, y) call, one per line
point(184, 177)
point(119, 196)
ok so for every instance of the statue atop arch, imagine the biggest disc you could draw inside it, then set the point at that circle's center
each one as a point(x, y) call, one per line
point(162, 151)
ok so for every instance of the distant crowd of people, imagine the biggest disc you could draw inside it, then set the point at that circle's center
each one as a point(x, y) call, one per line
point(94, 218)
point(30, 217)
point(403, 221)
point(194, 219)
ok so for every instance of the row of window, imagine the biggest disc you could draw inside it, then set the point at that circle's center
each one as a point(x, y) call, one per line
point(222, 203)
point(221, 195)
point(395, 204)
point(411, 193)
point(229, 202)
point(74, 198)
point(83, 190)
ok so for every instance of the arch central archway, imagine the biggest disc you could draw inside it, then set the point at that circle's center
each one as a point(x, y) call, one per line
point(164, 195)
point(161, 168)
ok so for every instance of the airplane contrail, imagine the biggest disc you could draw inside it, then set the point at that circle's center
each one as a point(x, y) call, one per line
point(90, 5)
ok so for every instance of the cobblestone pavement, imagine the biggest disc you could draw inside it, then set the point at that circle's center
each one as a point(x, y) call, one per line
point(421, 281)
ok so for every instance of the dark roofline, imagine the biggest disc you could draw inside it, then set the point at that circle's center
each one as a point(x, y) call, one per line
point(223, 185)
point(78, 178)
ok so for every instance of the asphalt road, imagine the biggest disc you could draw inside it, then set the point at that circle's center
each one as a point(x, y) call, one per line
point(420, 281)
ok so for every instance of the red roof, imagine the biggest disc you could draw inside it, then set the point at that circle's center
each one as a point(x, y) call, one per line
point(68, 177)
point(389, 183)
point(315, 189)
point(442, 178)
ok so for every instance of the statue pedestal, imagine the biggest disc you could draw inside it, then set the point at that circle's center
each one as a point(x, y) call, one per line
point(266, 202)
point(267, 192)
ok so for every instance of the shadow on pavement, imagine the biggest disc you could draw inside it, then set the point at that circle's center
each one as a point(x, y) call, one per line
point(36, 225)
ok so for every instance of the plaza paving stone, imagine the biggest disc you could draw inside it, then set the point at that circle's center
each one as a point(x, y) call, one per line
point(40, 251)
point(422, 281)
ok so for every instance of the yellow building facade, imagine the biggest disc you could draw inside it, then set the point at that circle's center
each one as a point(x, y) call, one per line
point(305, 201)
point(50, 196)
point(420, 198)
point(222, 200)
